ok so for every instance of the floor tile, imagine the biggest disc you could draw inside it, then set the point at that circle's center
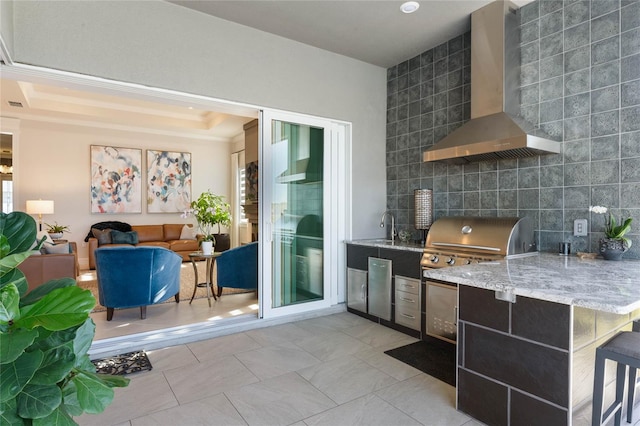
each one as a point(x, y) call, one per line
point(216, 410)
point(368, 410)
point(387, 364)
point(171, 357)
point(282, 400)
point(274, 361)
point(346, 378)
point(375, 335)
point(278, 334)
point(425, 399)
point(134, 401)
point(209, 378)
point(223, 346)
point(331, 345)
point(328, 323)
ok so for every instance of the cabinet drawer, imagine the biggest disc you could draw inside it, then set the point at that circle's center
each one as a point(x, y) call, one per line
point(410, 285)
point(408, 309)
point(407, 315)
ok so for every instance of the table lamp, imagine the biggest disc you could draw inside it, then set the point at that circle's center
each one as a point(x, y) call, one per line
point(423, 199)
point(40, 207)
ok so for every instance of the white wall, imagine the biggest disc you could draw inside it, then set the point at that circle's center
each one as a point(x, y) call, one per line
point(163, 45)
point(54, 164)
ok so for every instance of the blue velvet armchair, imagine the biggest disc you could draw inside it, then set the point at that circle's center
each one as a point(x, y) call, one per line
point(129, 277)
point(238, 268)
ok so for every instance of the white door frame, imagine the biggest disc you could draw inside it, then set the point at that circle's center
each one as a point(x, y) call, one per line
point(336, 209)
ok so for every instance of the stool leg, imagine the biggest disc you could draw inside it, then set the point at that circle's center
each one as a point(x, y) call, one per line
point(632, 392)
point(598, 390)
point(620, 380)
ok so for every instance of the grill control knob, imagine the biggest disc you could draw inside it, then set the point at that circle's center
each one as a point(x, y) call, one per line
point(451, 261)
point(434, 259)
point(468, 262)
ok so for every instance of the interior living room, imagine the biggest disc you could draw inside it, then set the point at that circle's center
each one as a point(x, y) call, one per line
point(74, 123)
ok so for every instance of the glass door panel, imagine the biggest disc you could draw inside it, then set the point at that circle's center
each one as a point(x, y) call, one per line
point(297, 213)
point(297, 245)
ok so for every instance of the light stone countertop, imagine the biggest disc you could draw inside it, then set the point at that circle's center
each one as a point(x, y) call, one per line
point(382, 243)
point(609, 286)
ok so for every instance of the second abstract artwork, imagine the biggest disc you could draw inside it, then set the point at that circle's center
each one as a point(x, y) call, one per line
point(168, 181)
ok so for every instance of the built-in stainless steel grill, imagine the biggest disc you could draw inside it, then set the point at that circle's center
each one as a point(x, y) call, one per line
point(454, 241)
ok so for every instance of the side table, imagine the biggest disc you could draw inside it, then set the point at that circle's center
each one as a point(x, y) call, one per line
point(208, 284)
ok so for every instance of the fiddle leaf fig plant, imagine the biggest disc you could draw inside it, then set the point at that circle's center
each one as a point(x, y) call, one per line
point(46, 376)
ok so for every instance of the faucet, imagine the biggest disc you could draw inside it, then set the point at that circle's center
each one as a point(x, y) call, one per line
point(393, 224)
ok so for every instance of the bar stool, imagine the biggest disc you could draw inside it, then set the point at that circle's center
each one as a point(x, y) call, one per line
point(624, 349)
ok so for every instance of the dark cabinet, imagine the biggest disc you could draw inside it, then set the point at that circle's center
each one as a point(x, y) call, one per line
point(402, 295)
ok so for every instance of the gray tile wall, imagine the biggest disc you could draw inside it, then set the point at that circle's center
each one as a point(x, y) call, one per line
point(580, 82)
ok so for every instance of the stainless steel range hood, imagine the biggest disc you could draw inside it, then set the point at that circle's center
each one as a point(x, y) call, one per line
point(494, 131)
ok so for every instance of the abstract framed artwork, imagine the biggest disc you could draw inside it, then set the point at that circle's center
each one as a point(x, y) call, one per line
point(116, 184)
point(168, 181)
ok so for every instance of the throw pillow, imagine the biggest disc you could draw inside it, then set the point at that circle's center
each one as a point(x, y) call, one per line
point(103, 235)
point(39, 236)
point(56, 248)
point(188, 233)
point(119, 237)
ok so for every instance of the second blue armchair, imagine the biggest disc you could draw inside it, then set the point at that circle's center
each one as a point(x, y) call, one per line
point(238, 268)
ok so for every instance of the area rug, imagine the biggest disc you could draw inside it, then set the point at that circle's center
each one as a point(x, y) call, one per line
point(87, 280)
point(432, 356)
point(131, 362)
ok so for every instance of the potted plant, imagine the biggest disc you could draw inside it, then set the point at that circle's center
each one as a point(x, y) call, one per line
point(615, 244)
point(209, 210)
point(56, 231)
point(46, 376)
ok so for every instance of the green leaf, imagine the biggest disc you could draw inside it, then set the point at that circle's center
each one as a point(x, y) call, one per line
point(56, 365)
point(20, 230)
point(58, 418)
point(84, 363)
point(9, 303)
point(15, 376)
point(38, 401)
point(5, 247)
point(113, 381)
point(60, 309)
point(13, 344)
point(9, 414)
point(54, 339)
point(93, 395)
point(17, 278)
point(41, 291)
point(84, 337)
point(70, 399)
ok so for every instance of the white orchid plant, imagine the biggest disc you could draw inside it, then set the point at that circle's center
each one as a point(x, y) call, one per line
point(613, 230)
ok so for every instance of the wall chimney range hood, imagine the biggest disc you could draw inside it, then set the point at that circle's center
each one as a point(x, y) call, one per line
point(495, 131)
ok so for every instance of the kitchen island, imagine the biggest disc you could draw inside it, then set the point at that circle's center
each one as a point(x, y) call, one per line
point(528, 328)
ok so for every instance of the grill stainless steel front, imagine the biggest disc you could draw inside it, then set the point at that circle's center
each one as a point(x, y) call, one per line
point(454, 241)
point(464, 240)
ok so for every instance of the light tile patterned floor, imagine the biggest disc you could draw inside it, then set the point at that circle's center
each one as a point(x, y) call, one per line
point(330, 370)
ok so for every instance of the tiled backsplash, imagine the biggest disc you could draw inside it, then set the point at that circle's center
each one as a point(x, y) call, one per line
point(580, 82)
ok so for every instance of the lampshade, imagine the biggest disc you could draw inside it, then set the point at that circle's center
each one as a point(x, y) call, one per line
point(423, 207)
point(40, 206)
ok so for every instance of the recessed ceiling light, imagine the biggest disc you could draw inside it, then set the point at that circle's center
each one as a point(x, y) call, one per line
point(409, 6)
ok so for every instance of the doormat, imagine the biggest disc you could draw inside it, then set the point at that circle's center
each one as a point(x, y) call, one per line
point(131, 362)
point(432, 356)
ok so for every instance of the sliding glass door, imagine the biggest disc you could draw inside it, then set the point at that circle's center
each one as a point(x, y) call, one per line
point(296, 203)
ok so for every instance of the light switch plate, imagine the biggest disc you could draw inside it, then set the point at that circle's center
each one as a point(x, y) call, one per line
point(580, 227)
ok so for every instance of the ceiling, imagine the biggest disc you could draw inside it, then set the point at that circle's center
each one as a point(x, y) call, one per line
point(374, 31)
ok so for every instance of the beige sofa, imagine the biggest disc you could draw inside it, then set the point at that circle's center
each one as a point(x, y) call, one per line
point(40, 268)
point(166, 235)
